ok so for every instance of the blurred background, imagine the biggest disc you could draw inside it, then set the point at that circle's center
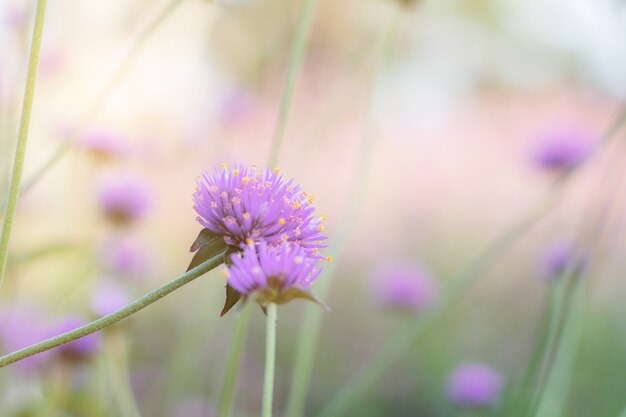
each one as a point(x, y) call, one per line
point(419, 154)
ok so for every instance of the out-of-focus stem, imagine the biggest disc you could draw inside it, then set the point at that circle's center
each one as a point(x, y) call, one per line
point(22, 136)
point(119, 375)
point(270, 361)
point(116, 316)
point(103, 93)
point(298, 51)
point(232, 368)
point(308, 339)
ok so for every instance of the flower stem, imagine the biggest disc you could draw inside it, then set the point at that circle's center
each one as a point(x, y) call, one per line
point(104, 91)
point(298, 51)
point(22, 136)
point(119, 375)
point(270, 359)
point(230, 379)
point(116, 316)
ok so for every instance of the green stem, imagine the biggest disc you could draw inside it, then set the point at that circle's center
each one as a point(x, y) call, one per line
point(270, 359)
point(105, 90)
point(119, 376)
point(311, 324)
point(118, 315)
point(22, 136)
point(232, 368)
point(298, 51)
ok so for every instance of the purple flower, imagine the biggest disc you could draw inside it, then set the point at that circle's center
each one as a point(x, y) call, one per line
point(475, 384)
point(125, 198)
point(104, 145)
point(107, 298)
point(237, 105)
point(404, 286)
point(20, 327)
point(558, 256)
point(562, 149)
point(249, 204)
point(125, 256)
point(79, 349)
point(273, 273)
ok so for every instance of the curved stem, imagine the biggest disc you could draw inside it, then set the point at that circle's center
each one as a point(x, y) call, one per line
point(22, 136)
point(230, 379)
point(105, 90)
point(270, 359)
point(298, 51)
point(116, 316)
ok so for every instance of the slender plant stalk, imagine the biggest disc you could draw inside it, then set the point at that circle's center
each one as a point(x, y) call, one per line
point(270, 360)
point(232, 368)
point(298, 52)
point(559, 380)
point(309, 333)
point(107, 87)
point(519, 397)
point(116, 316)
point(22, 136)
point(119, 376)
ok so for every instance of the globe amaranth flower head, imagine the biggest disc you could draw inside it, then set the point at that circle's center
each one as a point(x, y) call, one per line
point(562, 149)
point(559, 256)
point(104, 145)
point(250, 204)
point(273, 274)
point(475, 384)
point(404, 286)
point(125, 198)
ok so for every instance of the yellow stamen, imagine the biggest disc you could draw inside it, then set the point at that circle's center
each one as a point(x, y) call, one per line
point(282, 221)
point(223, 165)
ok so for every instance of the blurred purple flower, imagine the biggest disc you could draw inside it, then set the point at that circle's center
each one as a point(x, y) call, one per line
point(79, 349)
point(236, 107)
point(557, 257)
point(562, 149)
point(273, 273)
point(20, 327)
point(107, 298)
point(104, 145)
point(125, 198)
point(248, 204)
point(475, 384)
point(193, 407)
point(125, 256)
point(404, 286)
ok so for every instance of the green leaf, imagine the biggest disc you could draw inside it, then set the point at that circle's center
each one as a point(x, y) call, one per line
point(204, 238)
point(232, 298)
point(293, 293)
point(207, 251)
